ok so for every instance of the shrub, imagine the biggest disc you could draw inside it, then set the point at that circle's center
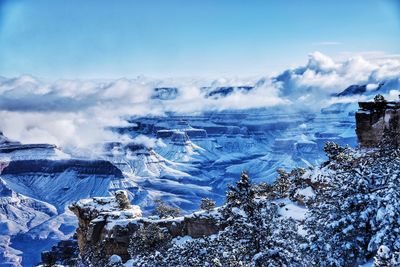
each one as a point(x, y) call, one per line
point(207, 204)
point(164, 211)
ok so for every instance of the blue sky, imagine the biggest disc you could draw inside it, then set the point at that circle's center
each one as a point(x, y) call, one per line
point(110, 39)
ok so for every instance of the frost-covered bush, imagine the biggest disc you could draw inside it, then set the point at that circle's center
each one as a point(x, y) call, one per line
point(287, 184)
point(148, 239)
point(164, 211)
point(207, 204)
point(265, 190)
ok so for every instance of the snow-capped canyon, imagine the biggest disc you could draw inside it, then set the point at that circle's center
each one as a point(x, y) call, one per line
point(178, 141)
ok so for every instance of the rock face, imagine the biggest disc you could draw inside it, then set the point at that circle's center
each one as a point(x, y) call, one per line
point(65, 252)
point(93, 216)
point(106, 225)
point(373, 118)
point(81, 167)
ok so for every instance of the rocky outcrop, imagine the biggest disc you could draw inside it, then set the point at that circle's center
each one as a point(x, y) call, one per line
point(106, 225)
point(66, 252)
point(373, 118)
point(95, 214)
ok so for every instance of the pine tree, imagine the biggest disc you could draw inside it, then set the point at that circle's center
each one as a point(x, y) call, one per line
point(241, 196)
point(164, 211)
point(282, 184)
point(277, 241)
point(207, 204)
point(379, 99)
point(239, 210)
point(255, 225)
point(332, 150)
point(338, 225)
point(148, 239)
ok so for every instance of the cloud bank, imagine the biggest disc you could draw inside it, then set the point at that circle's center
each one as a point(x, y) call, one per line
point(75, 113)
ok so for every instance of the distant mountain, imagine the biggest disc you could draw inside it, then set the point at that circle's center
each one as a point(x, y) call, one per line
point(165, 93)
point(217, 92)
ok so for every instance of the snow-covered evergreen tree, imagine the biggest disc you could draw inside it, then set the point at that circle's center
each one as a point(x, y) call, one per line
point(338, 223)
point(379, 98)
point(164, 211)
point(207, 204)
point(122, 199)
point(255, 235)
point(282, 184)
point(241, 196)
point(332, 150)
point(358, 210)
point(148, 239)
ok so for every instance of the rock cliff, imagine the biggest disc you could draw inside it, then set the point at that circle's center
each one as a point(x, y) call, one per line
point(373, 118)
point(106, 225)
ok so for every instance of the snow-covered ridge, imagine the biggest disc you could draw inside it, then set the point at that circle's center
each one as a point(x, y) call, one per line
point(20, 213)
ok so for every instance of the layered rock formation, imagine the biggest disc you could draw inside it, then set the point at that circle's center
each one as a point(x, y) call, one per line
point(373, 118)
point(106, 225)
point(58, 182)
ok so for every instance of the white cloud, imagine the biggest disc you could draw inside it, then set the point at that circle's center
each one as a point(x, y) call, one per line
point(148, 142)
point(323, 75)
point(75, 113)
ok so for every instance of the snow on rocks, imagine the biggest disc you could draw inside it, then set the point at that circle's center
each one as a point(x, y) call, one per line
point(107, 223)
point(290, 209)
point(303, 195)
point(117, 207)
